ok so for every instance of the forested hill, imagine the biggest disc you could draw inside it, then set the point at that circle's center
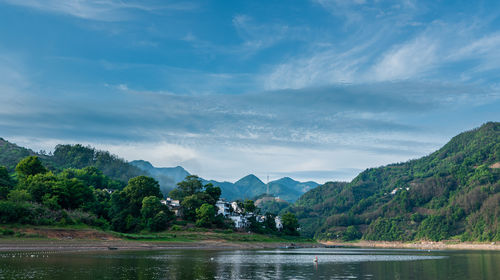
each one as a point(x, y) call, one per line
point(451, 193)
point(79, 156)
point(11, 154)
point(71, 156)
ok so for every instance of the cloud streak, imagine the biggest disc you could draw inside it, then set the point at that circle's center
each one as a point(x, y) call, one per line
point(101, 10)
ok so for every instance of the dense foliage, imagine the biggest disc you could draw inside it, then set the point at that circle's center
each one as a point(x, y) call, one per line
point(37, 196)
point(451, 193)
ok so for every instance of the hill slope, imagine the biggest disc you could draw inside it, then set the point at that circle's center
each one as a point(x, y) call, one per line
point(79, 156)
point(71, 156)
point(454, 191)
point(168, 177)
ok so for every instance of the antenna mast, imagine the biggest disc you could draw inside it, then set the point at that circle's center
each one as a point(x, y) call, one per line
point(267, 192)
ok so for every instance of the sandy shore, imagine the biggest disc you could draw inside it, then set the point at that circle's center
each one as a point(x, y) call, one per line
point(425, 245)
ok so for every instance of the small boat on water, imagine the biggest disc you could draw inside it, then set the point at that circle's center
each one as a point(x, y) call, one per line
point(112, 248)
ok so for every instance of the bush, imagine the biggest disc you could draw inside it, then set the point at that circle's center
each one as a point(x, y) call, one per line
point(351, 233)
point(434, 228)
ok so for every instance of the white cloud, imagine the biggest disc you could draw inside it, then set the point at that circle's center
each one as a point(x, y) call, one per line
point(409, 60)
point(102, 10)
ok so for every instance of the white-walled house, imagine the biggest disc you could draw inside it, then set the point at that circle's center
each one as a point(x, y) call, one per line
point(239, 221)
point(223, 207)
point(236, 208)
point(172, 204)
point(279, 224)
point(232, 211)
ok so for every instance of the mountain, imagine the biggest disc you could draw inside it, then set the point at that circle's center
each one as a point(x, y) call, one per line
point(451, 193)
point(11, 154)
point(247, 187)
point(71, 156)
point(79, 156)
point(250, 187)
point(168, 177)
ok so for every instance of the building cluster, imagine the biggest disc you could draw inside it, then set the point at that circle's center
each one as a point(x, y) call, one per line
point(173, 205)
point(231, 210)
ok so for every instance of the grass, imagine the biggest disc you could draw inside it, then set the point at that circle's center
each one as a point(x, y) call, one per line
point(216, 235)
point(179, 234)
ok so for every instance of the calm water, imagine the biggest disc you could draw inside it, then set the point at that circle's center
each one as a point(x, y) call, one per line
point(254, 264)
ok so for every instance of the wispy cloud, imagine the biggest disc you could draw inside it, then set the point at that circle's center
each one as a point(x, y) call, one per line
point(102, 10)
point(259, 36)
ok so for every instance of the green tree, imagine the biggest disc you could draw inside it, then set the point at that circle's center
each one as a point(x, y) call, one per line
point(30, 166)
point(159, 222)
point(249, 206)
point(434, 228)
point(351, 233)
point(189, 206)
point(290, 224)
point(19, 195)
point(190, 186)
point(39, 185)
point(137, 189)
point(270, 223)
point(6, 183)
point(205, 215)
point(151, 206)
point(213, 192)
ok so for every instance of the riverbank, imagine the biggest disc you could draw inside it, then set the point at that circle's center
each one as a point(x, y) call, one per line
point(70, 239)
point(96, 245)
point(423, 245)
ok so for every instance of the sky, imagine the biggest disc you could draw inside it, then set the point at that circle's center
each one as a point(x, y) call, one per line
point(314, 90)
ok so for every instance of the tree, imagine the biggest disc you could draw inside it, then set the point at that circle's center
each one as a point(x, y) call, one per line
point(205, 215)
point(351, 233)
point(137, 189)
point(249, 206)
point(151, 206)
point(30, 166)
point(290, 224)
point(19, 195)
point(270, 223)
point(72, 193)
point(191, 185)
point(189, 206)
point(159, 222)
point(39, 185)
point(6, 183)
point(213, 192)
point(154, 214)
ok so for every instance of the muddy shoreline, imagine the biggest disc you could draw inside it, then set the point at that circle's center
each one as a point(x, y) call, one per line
point(97, 245)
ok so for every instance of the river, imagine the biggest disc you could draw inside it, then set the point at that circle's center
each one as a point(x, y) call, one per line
point(253, 264)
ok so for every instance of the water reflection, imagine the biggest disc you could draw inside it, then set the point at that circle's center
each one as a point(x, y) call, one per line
point(254, 264)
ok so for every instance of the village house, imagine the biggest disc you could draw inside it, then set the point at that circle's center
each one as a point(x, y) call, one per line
point(223, 207)
point(232, 211)
point(172, 204)
point(279, 224)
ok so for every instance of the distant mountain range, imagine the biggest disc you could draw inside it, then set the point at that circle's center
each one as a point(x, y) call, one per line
point(247, 187)
point(79, 156)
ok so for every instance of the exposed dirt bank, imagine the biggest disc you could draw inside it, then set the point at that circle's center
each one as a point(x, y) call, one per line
point(53, 239)
point(96, 245)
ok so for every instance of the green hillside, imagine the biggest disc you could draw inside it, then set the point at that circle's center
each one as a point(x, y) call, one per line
point(11, 154)
point(72, 156)
point(451, 193)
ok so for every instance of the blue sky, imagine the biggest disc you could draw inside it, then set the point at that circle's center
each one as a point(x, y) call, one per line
point(318, 89)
